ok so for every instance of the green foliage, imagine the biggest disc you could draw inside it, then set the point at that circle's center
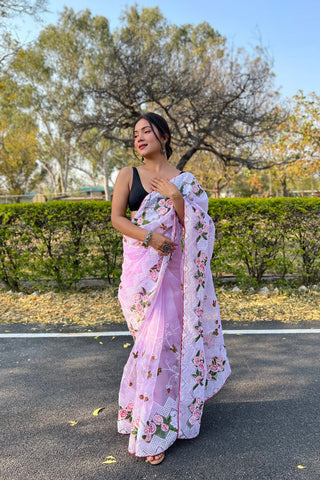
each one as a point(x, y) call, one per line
point(87, 84)
point(302, 224)
point(64, 242)
point(11, 8)
point(258, 236)
point(59, 242)
point(15, 246)
point(18, 139)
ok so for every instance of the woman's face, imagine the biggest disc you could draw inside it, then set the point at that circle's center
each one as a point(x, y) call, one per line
point(145, 141)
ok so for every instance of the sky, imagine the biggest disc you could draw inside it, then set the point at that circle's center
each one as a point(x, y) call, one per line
point(289, 29)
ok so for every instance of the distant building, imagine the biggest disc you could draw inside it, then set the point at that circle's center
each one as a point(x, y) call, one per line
point(93, 191)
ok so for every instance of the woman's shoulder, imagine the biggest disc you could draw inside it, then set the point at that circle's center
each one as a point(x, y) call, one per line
point(125, 171)
point(125, 174)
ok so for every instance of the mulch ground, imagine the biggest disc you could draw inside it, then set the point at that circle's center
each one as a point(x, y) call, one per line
point(91, 307)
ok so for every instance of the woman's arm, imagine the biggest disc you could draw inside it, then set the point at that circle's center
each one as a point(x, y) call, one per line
point(119, 207)
point(123, 224)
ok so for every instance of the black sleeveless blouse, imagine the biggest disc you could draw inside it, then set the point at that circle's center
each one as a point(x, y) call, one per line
point(137, 192)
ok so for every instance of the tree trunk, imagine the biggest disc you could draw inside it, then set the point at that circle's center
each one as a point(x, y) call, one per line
point(284, 186)
point(185, 158)
point(106, 174)
point(218, 186)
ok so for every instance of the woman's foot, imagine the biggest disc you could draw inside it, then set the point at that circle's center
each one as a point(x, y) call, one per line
point(156, 459)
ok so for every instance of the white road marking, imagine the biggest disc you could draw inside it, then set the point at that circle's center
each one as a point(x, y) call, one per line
point(124, 333)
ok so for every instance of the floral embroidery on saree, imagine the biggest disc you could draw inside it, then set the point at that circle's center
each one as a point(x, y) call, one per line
point(173, 315)
point(159, 425)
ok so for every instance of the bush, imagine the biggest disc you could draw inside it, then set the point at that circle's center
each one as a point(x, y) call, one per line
point(63, 242)
point(15, 246)
point(58, 242)
point(302, 225)
point(255, 236)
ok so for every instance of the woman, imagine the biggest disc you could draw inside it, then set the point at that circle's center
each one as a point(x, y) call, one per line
point(178, 360)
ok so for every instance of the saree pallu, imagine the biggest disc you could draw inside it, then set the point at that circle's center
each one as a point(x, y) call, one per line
point(178, 360)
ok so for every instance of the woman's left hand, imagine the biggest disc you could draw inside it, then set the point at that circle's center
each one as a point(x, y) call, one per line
point(164, 187)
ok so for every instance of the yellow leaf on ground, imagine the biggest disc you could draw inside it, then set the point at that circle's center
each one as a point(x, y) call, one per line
point(103, 307)
point(110, 459)
point(72, 423)
point(98, 410)
point(126, 345)
point(100, 343)
point(301, 467)
point(7, 331)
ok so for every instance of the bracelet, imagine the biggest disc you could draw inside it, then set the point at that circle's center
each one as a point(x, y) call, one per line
point(147, 239)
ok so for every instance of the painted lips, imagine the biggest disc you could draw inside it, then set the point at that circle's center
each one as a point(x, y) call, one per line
point(141, 147)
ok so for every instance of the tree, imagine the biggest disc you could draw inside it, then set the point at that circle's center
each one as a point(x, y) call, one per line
point(53, 69)
point(18, 154)
point(213, 174)
point(18, 140)
point(85, 78)
point(8, 10)
point(216, 100)
point(102, 157)
point(297, 145)
point(301, 131)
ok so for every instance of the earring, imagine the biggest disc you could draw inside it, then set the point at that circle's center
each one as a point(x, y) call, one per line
point(163, 149)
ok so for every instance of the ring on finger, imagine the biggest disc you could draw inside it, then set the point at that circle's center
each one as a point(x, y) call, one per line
point(166, 247)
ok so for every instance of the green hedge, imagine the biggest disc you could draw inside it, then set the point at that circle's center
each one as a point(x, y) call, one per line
point(259, 236)
point(63, 242)
point(58, 241)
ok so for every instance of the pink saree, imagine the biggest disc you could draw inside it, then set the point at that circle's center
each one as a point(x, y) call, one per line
point(178, 360)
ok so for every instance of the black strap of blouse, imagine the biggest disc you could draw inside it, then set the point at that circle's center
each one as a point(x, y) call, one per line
point(137, 192)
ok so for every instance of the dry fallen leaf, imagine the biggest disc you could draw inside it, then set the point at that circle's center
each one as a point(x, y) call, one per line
point(87, 308)
point(98, 410)
point(126, 345)
point(72, 423)
point(301, 467)
point(110, 459)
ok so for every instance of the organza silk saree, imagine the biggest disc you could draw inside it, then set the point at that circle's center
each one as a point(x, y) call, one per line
point(178, 360)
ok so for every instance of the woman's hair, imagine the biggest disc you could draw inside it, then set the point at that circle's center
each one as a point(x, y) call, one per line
point(161, 125)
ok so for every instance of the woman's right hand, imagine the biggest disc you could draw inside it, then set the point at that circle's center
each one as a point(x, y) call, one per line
point(157, 241)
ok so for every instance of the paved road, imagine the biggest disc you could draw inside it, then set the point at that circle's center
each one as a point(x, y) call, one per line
point(262, 425)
